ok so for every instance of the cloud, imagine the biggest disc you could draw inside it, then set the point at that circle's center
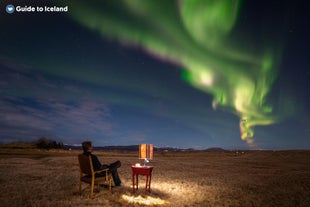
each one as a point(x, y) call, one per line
point(34, 105)
point(30, 118)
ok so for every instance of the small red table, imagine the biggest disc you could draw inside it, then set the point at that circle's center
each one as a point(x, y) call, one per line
point(141, 170)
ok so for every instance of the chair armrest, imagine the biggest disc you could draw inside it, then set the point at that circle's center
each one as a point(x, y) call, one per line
point(103, 170)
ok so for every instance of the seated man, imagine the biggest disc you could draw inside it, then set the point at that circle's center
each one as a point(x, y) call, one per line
point(88, 148)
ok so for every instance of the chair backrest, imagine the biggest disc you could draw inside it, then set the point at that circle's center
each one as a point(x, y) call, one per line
point(86, 165)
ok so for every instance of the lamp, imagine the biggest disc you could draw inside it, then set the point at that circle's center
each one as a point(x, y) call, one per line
point(146, 152)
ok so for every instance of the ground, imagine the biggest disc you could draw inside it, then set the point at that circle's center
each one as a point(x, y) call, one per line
point(31, 177)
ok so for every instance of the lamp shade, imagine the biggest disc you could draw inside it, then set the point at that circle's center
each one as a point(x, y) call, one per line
point(146, 151)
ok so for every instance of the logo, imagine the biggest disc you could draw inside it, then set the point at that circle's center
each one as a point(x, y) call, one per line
point(10, 8)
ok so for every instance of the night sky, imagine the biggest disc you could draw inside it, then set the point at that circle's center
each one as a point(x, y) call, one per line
point(189, 74)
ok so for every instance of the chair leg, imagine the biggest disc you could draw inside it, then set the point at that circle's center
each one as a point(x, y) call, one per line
point(91, 190)
point(110, 183)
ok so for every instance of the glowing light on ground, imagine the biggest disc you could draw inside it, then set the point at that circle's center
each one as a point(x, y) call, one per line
point(163, 190)
point(144, 201)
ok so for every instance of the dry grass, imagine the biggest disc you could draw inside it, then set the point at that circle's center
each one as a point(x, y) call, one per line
point(252, 178)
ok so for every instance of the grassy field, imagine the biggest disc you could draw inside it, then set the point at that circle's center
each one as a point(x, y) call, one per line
point(30, 177)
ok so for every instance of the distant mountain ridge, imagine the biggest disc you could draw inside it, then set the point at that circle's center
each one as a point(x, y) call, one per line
point(136, 148)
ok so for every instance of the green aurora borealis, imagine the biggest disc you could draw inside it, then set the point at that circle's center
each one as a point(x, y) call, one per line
point(200, 37)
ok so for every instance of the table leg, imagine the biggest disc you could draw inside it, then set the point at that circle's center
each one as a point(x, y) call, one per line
point(150, 182)
point(133, 182)
point(146, 183)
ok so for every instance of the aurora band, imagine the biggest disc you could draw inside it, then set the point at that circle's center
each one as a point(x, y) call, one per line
point(194, 34)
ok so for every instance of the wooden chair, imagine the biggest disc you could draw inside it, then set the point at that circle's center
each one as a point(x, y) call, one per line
point(88, 175)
